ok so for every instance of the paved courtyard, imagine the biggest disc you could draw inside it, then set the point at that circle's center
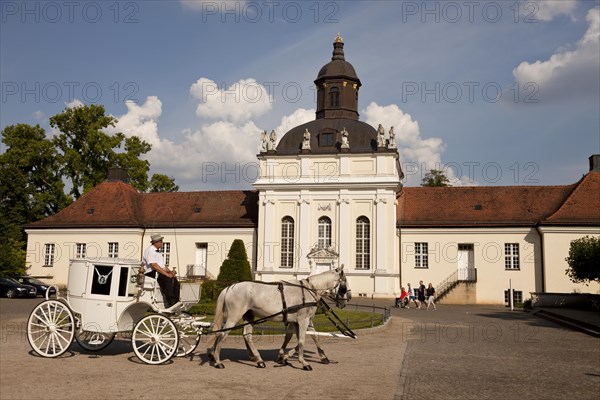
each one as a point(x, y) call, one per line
point(456, 352)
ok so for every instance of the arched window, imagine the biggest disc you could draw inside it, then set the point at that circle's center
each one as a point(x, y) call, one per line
point(324, 232)
point(287, 242)
point(334, 97)
point(363, 243)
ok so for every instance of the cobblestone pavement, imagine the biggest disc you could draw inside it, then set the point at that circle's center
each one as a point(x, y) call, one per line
point(490, 352)
point(455, 352)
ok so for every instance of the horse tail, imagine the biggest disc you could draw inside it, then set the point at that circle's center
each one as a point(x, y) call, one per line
point(220, 310)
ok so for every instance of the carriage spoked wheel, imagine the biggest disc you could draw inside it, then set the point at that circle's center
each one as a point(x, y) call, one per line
point(50, 328)
point(155, 339)
point(188, 335)
point(92, 339)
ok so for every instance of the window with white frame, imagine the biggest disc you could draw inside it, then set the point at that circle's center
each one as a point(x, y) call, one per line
point(80, 250)
point(363, 243)
point(517, 297)
point(324, 232)
point(511, 256)
point(166, 252)
point(421, 255)
point(287, 242)
point(49, 255)
point(113, 250)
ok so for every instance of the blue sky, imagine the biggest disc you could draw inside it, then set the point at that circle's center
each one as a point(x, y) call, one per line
point(491, 92)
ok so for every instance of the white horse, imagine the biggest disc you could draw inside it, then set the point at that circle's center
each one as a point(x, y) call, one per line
point(291, 302)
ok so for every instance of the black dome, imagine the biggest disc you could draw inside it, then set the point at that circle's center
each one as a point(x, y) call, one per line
point(361, 136)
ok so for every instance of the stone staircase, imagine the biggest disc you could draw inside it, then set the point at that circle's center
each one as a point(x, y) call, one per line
point(461, 293)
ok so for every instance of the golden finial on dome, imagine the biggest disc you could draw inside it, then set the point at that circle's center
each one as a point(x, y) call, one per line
point(339, 39)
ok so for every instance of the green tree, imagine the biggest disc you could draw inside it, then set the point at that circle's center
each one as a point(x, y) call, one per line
point(86, 151)
point(584, 254)
point(236, 268)
point(137, 169)
point(31, 188)
point(435, 177)
point(162, 183)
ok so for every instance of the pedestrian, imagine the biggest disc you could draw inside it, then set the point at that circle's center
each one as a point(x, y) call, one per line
point(421, 294)
point(402, 301)
point(411, 296)
point(431, 296)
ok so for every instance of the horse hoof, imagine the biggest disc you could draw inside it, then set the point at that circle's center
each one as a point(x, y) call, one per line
point(307, 368)
point(282, 361)
point(325, 361)
point(261, 365)
point(219, 366)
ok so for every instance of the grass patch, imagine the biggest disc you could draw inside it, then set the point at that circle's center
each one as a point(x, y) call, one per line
point(353, 319)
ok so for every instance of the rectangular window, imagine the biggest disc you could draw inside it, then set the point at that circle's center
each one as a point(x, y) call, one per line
point(421, 255)
point(511, 256)
point(49, 255)
point(363, 243)
point(287, 243)
point(113, 250)
point(166, 252)
point(517, 297)
point(326, 140)
point(80, 250)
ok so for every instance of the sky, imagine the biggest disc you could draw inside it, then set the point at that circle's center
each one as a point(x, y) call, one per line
point(490, 92)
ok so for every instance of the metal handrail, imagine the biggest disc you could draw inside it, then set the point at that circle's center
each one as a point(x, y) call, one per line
point(453, 280)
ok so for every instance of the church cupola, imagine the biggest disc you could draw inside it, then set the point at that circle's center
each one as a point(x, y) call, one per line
point(337, 86)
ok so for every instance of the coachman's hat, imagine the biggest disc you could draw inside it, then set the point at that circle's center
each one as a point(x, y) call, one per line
point(155, 238)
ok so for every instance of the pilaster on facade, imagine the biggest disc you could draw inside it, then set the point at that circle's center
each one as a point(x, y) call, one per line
point(303, 233)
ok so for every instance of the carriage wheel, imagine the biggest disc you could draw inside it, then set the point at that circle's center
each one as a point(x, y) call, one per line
point(50, 328)
point(188, 335)
point(155, 339)
point(92, 340)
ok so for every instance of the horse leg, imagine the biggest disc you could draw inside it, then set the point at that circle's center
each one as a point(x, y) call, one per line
point(220, 338)
point(324, 358)
point(301, 332)
point(282, 357)
point(254, 354)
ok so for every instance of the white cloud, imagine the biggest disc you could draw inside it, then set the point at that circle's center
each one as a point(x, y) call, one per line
point(567, 72)
point(141, 121)
point(298, 117)
point(240, 102)
point(75, 103)
point(417, 155)
point(546, 10)
point(39, 116)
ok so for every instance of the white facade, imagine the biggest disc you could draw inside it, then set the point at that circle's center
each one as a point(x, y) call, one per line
point(191, 251)
point(342, 188)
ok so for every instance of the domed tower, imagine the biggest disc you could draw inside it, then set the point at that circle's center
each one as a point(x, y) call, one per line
point(327, 192)
point(337, 114)
point(337, 86)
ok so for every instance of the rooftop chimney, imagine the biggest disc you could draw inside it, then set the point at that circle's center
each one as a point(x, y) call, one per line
point(595, 163)
point(117, 174)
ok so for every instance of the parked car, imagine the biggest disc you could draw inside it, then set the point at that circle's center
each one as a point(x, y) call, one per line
point(36, 283)
point(11, 288)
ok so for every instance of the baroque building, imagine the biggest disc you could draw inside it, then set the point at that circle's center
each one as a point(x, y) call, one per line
point(329, 193)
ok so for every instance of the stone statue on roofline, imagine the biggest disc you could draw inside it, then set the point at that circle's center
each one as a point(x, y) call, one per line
point(345, 142)
point(272, 139)
point(380, 136)
point(392, 141)
point(306, 140)
point(264, 138)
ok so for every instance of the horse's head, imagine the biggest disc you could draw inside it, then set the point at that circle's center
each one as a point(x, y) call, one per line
point(343, 294)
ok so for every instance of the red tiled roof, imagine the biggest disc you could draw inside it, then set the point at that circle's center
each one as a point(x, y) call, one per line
point(478, 205)
point(117, 204)
point(582, 207)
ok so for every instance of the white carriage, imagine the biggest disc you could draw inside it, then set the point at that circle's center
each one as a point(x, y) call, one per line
point(106, 296)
